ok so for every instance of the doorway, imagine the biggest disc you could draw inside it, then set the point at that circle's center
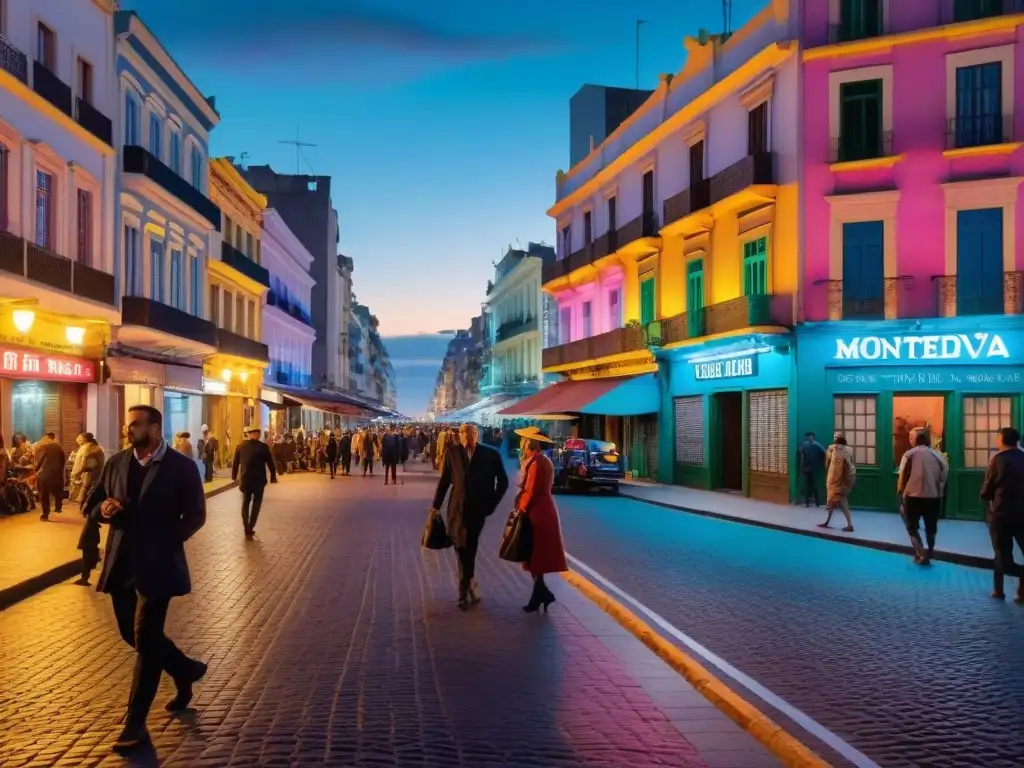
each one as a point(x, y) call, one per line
point(729, 406)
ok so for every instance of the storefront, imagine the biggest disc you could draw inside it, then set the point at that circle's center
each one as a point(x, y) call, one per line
point(42, 392)
point(960, 378)
point(230, 405)
point(176, 390)
point(726, 406)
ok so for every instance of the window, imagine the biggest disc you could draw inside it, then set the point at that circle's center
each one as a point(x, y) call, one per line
point(863, 270)
point(695, 298)
point(215, 305)
point(46, 49)
point(972, 10)
point(757, 129)
point(769, 431)
point(588, 229)
point(249, 250)
point(240, 315)
point(979, 261)
point(979, 105)
point(648, 301)
point(154, 135)
point(196, 286)
point(132, 111)
point(84, 76)
point(859, 19)
point(228, 322)
point(174, 152)
point(855, 418)
point(689, 418)
point(177, 297)
point(5, 165)
point(614, 309)
point(566, 240)
point(44, 210)
point(915, 412)
point(588, 329)
point(648, 194)
point(755, 267)
point(697, 162)
point(983, 418)
point(612, 214)
point(132, 262)
point(565, 325)
point(156, 270)
point(250, 321)
point(196, 163)
point(860, 120)
point(84, 220)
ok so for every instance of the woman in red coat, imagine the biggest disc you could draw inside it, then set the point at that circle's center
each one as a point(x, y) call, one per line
point(535, 500)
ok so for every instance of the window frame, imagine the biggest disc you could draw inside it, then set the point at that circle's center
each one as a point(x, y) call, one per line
point(998, 192)
point(836, 80)
point(989, 448)
point(1001, 54)
point(85, 79)
point(651, 315)
point(46, 45)
point(839, 425)
point(747, 242)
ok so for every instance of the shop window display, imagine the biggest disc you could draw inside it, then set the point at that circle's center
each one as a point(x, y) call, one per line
point(856, 418)
point(28, 409)
point(914, 412)
point(983, 418)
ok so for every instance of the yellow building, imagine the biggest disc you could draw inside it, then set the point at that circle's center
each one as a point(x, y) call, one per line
point(238, 286)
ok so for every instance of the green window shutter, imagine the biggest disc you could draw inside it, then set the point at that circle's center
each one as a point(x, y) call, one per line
point(755, 267)
point(647, 301)
point(860, 120)
point(695, 297)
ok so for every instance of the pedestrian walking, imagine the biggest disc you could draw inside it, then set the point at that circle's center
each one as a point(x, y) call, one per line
point(921, 485)
point(249, 468)
point(89, 461)
point(208, 454)
point(535, 500)
point(50, 461)
point(345, 451)
point(476, 476)
point(370, 450)
point(390, 455)
point(153, 500)
point(1003, 489)
point(331, 452)
point(840, 476)
point(811, 460)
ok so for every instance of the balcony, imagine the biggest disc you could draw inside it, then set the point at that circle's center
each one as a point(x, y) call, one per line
point(512, 328)
point(629, 339)
point(959, 11)
point(639, 237)
point(301, 314)
point(94, 121)
point(606, 245)
point(751, 171)
point(137, 160)
point(968, 132)
point(145, 322)
point(727, 316)
point(13, 61)
point(51, 88)
point(953, 303)
point(229, 343)
point(886, 306)
point(25, 259)
point(694, 198)
point(238, 261)
point(860, 148)
point(554, 270)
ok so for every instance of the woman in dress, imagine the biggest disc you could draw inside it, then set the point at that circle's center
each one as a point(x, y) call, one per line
point(536, 502)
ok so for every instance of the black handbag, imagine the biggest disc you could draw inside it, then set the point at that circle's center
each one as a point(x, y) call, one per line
point(517, 539)
point(435, 534)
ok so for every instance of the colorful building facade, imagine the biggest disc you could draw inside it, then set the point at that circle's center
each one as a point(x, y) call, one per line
point(911, 205)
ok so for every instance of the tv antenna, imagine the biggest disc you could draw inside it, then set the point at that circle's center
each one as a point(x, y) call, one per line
point(726, 17)
point(299, 154)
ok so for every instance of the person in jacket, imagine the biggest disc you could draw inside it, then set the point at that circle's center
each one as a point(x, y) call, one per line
point(209, 454)
point(1003, 489)
point(183, 444)
point(390, 455)
point(331, 452)
point(536, 502)
point(840, 475)
point(50, 460)
point(249, 467)
point(476, 476)
point(89, 461)
point(811, 460)
point(370, 451)
point(921, 485)
point(345, 450)
point(152, 499)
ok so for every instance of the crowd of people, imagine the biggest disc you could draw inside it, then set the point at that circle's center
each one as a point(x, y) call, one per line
point(43, 471)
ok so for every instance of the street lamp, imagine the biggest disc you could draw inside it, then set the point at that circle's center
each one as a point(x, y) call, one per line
point(23, 319)
point(75, 334)
point(244, 376)
point(226, 375)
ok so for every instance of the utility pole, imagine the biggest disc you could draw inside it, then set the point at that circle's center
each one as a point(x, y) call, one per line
point(298, 151)
point(636, 50)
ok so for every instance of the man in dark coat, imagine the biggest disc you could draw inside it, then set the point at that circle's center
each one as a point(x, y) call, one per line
point(331, 452)
point(252, 460)
point(477, 478)
point(1003, 489)
point(152, 499)
point(345, 449)
point(390, 455)
point(50, 461)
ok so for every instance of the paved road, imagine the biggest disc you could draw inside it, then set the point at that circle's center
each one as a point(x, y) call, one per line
point(914, 667)
point(333, 640)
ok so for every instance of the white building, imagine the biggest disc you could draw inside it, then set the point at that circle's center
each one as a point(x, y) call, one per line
point(57, 184)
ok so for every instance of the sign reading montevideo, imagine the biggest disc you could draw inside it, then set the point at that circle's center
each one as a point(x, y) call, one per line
point(730, 368)
point(948, 347)
point(28, 364)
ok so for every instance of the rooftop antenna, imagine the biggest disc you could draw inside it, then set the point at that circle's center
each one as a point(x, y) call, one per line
point(726, 18)
point(241, 159)
point(636, 51)
point(299, 155)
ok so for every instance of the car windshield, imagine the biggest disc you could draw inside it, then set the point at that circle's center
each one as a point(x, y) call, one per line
point(600, 446)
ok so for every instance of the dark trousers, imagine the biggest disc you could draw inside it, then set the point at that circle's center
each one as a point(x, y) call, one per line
point(811, 487)
point(207, 470)
point(346, 463)
point(332, 464)
point(367, 466)
point(1004, 532)
point(251, 503)
point(392, 470)
point(140, 620)
point(54, 492)
point(466, 558)
point(916, 509)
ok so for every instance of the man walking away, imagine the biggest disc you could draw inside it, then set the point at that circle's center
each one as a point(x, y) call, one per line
point(345, 449)
point(389, 455)
point(921, 485)
point(1003, 489)
point(252, 460)
point(403, 447)
point(476, 476)
point(210, 448)
point(811, 459)
point(152, 498)
point(840, 475)
point(50, 461)
point(331, 452)
point(368, 447)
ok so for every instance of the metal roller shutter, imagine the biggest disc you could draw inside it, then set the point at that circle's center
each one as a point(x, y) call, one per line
point(769, 431)
point(689, 420)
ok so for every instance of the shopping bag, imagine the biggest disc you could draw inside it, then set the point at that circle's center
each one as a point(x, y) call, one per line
point(435, 535)
point(517, 539)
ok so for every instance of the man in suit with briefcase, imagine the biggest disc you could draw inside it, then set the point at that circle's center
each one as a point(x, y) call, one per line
point(252, 461)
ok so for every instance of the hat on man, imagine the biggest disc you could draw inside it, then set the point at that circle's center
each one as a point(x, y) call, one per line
point(253, 428)
point(534, 433)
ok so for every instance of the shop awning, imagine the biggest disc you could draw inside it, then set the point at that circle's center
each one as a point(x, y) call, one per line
point(328, 402)
point(623, 396)
point(481, 409)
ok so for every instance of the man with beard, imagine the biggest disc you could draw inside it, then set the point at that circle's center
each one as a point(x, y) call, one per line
point(152, 499)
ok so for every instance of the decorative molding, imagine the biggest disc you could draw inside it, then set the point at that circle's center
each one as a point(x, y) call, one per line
point(132, 203)
point(867, 206)
point(1004, 54)
point(156, 104)
point(10, 133)
point(610, 192)
point(48, 155)
point(838, 78)
point(695, 132)
point(758, 91)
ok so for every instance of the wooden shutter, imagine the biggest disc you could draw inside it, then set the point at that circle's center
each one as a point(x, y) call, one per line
point(689, 420)
point(84, 227)
point(768, 438)
point(72, 421)
point(755, 267)
point(51, 410)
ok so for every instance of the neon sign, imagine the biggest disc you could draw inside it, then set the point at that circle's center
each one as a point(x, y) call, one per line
point(945, 346)
point(28, 364)
point(731, 368)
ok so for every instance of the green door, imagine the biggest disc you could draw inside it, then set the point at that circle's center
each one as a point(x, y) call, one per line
point(755, 267)
point(695, 298)
point(647, 301)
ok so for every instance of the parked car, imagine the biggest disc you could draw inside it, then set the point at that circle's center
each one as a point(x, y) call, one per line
point(583, 464)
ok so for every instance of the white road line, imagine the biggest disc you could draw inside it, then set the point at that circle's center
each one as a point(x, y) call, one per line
point(805, 721)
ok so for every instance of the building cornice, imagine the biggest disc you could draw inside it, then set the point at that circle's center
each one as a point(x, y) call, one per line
point(233, 199)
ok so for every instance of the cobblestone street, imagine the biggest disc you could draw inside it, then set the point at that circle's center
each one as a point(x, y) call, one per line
point(334, 639)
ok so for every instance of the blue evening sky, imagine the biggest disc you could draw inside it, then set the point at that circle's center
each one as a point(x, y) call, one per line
point(442, 124)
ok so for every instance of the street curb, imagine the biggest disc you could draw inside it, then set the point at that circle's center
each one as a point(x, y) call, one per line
point(790, 751)
point(61, 573)
point(956, 558)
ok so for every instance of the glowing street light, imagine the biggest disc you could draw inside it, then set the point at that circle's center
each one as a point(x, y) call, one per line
point(23, 319)
point(226, 374)
point(75, 334)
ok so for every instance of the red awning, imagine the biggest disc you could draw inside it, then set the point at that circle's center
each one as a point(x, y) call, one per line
point(327, 406)
point(563, 398)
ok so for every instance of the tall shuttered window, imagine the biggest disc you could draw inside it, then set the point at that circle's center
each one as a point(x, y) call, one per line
point(240, 315)
point(195, 282)
point(215, 305)
point(174, 152)
point(614, 309)
point(856, 417)
point(250, 321)
point(697, 162)
point(695, 297)
point(5, 202)
point(565, 325)
point(863, 270)
point(972, 10)
point(769, 431)
point(983, 418)
point(44, 210)
point(860, 120)
point(132, 119)
point(155, 135)
point(156, 270)
point(228, 319)
point(132, 261)
point(859, 19)
point(177, 298)
point(979, 261)
point(979, 118)
point(689, 421)
point(648, 300)
point(757, 129)
point(196, 161)
point(755, 267)
point(84, 226)
point(588, 328)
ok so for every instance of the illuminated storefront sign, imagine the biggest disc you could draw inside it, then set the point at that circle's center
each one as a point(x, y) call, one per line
point(29, 364)
point(950, 347)
point(730, 368)
point(214, 387)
